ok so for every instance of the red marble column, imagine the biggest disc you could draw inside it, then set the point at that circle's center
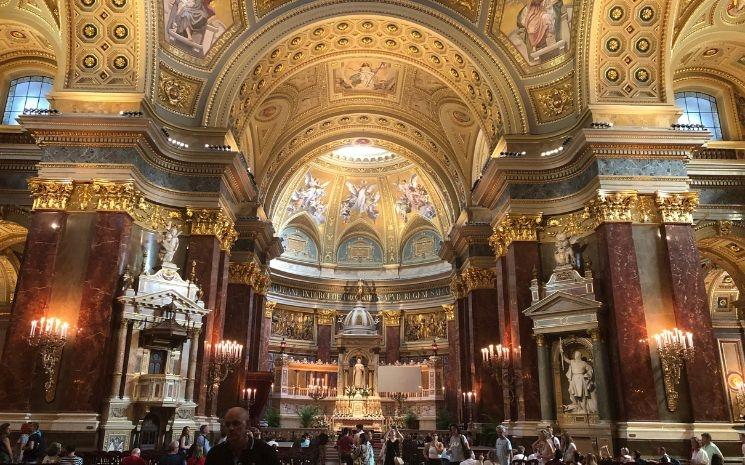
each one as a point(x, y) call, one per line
point(88, 378)
point(323, 339)
point(392, 343)
point(205, 251)
point(237, 312)
point(692, 314)
point(521, 259)
point(452, 367)
point(630, 360)
point(484, 330)
point(33, 290)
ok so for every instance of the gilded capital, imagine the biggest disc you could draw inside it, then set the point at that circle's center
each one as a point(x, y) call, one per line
point(391, 317)
point(540, 340)
point(50, 194)
point(595, 334)
point(240, 273)
point(269, 307)
point(456, 287)
point(325, 316)
point(612, 207)
point(212, 222)
point(514, 228)
point(115, 196)
point(477, 278)
point(449, 310)
point(676, 207)
point(260, 280)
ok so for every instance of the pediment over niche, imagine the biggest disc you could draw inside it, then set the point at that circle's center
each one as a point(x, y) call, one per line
point(563, 312)
point(162, 298)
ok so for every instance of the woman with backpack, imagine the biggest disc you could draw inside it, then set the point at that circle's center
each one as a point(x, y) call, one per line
point(363, 454)
point(458, 447)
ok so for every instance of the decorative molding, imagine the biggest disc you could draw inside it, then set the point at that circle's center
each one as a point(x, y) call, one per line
point(325, 316)
point(250, 274)
point(449, 310)
point(456, 287)
point(269, 308)
point(178, 92)
point(391, 317)
point(514, 228)
point(113, 196)
point(261, 280)
point(677, 207)
point(553, 101)
point(477, 278)
point(50, 194)
point(612, 207)
point(212, 222)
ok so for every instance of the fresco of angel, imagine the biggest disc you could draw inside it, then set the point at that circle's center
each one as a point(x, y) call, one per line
point(309, 198)
point(362, 199)
point(413, 198)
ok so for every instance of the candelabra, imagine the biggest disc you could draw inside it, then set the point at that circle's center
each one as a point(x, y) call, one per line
point(48, 336)
point(674, 348)
point(399, 397)
point(317, 389)
point(498, 361)
point(469, 398)
point(248, 398)
point(224, 357)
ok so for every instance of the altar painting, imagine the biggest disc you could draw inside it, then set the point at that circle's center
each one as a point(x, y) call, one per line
point(365, 76)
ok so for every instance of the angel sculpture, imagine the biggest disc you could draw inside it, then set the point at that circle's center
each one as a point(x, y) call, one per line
point(563, 254)
point(168, 242)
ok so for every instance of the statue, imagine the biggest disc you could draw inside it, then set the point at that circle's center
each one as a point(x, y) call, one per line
point(360, 290)
point(168, 242)
point(358, 375)
point(580, 374)
point(563, 254)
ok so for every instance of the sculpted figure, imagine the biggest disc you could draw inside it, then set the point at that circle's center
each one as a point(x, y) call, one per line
point(168, 242)
point(563, 254)
point(358, 380)
point(580, 374)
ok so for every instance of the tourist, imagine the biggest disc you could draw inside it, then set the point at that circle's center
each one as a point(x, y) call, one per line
point(360, 430)
point(502, 447)
point(134, 458)
point(710, 448)
point(197, 457)
point(554, 440)
point(304, 441)
point(173, 457)
point(184, 441)
point(240, 445)
point(605, 454)
point(638, 458)
point(590, 459)
point(318, 445)
point(69, 458)
point(698, 454)
point(568, 447)
point(6, 453)
point(392, 447)
point(410, 447)
point(458, 447)
point(344, 446)
point(544, 447)
point(34, 445)
point(53, 453)
point(717, 459)
point(433, 450)
point(272, 442)
point(625, 456)
point(202, 440)
point(364, 454)
point(520, 454)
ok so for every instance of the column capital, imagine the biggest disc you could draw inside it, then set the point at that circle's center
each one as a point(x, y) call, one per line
point(477, 278)
point(449, 310)
point(456, 286)
point(250, 274)
point(513, 228)
point(540, 340)
point(612, 207)
point(325, 316)
point(269, 307)
point(595, 335)
point(676, 207)
point(391, 317)
point(50, 194)
point(212, 222)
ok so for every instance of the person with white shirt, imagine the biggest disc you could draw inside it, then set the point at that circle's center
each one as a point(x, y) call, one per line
point(554, 440)
point(520, 454)
point(698, 454)
point(503, 447)
point(625, 456)
point(710, 448)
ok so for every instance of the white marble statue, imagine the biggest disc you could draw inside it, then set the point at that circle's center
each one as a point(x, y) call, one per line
point(581, 387)
point(563, 254)
point(168, 242)
point(358, 375)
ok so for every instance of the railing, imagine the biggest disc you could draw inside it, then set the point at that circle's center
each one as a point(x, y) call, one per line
point(718, 154)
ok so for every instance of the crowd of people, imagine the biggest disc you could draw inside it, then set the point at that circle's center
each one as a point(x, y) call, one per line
point(244, 445)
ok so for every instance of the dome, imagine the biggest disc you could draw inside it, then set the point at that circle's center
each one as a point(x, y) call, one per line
point(359, 321)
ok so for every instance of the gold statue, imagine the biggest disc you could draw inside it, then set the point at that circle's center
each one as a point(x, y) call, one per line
point(360, 290)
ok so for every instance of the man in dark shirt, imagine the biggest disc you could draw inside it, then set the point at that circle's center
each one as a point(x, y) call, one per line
point(241, 447)
point(344, 446)
point(34, 448)
point(172, 457)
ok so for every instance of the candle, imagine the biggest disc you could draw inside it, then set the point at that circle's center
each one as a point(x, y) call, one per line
point(690, 340)
point(33, 328)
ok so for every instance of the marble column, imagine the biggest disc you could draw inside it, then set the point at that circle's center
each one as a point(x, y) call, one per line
point(33, 291)
point(192, 367)
point(692, 314)
point(120, 336)
point(451, 370)
point(545, 379)
point(392, 325)
point(324, 323)
point(602, 378)
point(632, 367)
point(108, 254)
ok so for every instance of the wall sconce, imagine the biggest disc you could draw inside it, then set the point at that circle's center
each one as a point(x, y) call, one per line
point(48, 336)
point(674, 348)
point(224, 359)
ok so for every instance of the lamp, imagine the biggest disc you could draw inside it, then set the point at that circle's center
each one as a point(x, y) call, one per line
point(469, 398)
point(434, 347)
point(498, 361)
point(674, 347)
point(48, 336)
point(224, 358)
point(282, 346)
point(248, 398)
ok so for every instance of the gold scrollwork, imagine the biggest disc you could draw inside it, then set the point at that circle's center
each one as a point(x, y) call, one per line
point(391, 317)
point(477, 278)
point(50, 194)
point(115, 196)
point(212, 222)
point(261, 280)
point(449, 310)
point(325, 316)
point(269, 307)
point(514, 228)
point(456, 287)
point(292, 325)
point(612, 207)
point(240, 273)
point(677, 207)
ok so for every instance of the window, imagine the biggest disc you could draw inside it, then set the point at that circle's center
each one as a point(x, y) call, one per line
point(26, 92)
point(157, 365)
point(699, 108)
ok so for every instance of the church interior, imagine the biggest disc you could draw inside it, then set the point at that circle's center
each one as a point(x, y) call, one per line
point(392, 213)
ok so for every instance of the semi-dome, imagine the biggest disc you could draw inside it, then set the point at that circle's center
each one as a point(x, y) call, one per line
point(359, 321)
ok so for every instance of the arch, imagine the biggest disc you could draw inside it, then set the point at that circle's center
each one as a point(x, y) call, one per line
point(299, 245)
point(723, 242)
point(421, 246)
point(722, 89)
point(360, 247)
point(721, 292)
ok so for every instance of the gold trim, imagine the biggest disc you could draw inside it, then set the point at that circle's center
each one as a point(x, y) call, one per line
point(456, 287)
point(449, 310)
point(50, 194)
point(113, 196)
point(325, 316)
point(477, 278)
point(677, 207)
point(613, 207)
point(240, 273)
point(269, 307)
point(514, 228)
point(212, 222)
point(391, 317)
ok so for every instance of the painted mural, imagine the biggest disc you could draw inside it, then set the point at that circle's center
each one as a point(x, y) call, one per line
point(365, 76)
point(362, 199)
point(195, 25)
point(421, 247)
point(310, 198)
point(539, 29)
point(298, 245)
point(413, 198)
point(359, 251)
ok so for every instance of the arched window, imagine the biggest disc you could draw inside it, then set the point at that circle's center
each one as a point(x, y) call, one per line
point(26, 92)
point(699, 108)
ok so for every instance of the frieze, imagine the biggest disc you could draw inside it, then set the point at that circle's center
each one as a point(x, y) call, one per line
point(424, 326)
point(340, 296)
point(292, 325)
point(449, 311)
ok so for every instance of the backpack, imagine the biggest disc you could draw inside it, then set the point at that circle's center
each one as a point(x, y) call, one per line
point(466, 447)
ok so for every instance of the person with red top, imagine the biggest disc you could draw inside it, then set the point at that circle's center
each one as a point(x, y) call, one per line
point(134, 458)
point(198, 457)
point(344, 445)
